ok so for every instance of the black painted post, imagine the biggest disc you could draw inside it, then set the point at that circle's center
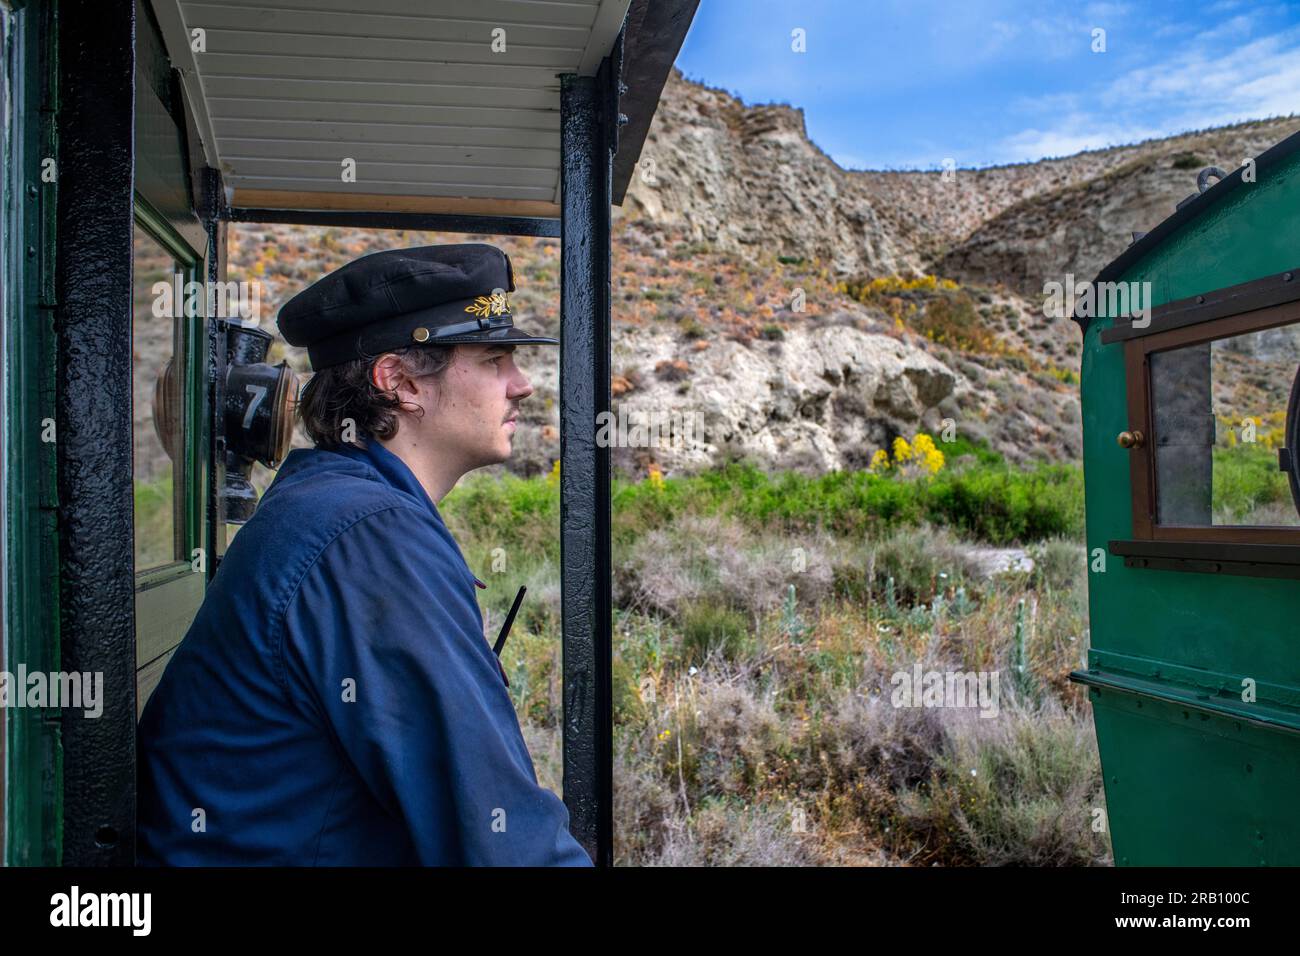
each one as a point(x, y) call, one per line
point(96, 127)
point(212, 206)
point(588, 120)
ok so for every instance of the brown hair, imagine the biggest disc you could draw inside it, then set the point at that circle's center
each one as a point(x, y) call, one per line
point(345, 393)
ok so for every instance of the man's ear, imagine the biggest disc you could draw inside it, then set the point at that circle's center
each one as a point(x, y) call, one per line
point(388, 375)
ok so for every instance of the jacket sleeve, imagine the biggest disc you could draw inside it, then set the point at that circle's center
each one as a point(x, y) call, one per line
point(383, 639)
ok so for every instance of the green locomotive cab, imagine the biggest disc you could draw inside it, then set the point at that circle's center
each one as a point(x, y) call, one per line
point(1189, 400)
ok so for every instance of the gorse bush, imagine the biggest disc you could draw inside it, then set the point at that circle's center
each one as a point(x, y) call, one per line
point(912, 459)
point(936, 308)
point(952, 319)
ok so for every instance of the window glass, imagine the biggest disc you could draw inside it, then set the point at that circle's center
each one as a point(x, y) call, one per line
point(1219, 412)
point(159, 418)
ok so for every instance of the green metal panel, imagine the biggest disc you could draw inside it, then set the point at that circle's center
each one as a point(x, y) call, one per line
point(1178, 789)
point(32, 808)
point(1187, 788)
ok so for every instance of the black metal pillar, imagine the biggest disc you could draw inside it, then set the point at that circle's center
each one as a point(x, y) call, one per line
point(96, 126)
point(211, 205)
point(589, 139)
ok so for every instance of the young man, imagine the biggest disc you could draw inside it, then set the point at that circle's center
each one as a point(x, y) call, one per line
point(335, 701)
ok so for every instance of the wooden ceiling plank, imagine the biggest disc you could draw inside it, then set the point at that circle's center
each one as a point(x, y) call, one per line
point(366, 172)
point(253, 198)
point(380, 91)
point(404, 134)
point(577, 13)
point(476, 32)
point(380, 112)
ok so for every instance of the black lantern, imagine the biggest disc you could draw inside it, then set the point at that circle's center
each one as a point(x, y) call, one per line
point(257, 419)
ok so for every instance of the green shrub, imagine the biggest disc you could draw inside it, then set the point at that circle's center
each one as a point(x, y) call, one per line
point(691, 328)
point(709, 626)
point(1021, 790)
point(1247, 478)
point(952, 319)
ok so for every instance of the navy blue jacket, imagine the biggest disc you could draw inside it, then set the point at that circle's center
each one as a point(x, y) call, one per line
point(335, 701)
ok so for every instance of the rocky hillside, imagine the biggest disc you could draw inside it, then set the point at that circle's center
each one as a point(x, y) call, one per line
point(745, 176)
point(1081, 226)
point(745, 315)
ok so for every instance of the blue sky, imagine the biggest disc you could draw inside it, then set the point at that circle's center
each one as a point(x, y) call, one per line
point(904, 84)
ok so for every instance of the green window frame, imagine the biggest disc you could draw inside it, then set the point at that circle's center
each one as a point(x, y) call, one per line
point(30, 756)
point(167, 597)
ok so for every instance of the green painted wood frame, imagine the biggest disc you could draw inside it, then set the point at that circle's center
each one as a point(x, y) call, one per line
point(167, 597)
point(30, 810)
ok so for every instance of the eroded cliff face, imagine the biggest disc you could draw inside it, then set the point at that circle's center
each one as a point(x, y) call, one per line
point(821, 399)
point(824, 397)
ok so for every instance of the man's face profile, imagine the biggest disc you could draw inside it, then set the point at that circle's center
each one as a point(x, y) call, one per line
point(469, 411)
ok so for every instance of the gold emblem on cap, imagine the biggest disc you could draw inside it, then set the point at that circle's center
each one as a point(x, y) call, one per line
point(421, 334)
point(489, 305)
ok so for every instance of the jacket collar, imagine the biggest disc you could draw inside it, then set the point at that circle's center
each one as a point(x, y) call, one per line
point(394, 472)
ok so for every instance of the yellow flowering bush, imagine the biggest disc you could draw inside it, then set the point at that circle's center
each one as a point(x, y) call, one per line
point(893, 285)
point(1270, 430)
point(910, 459)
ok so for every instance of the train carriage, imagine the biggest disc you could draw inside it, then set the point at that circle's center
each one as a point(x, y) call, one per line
point(1191, 413)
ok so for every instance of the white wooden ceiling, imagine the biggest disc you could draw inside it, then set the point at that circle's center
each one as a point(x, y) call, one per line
point(284, 91)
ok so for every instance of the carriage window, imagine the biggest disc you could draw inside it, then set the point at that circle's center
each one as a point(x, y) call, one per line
point(158, 424)
point(1219, 417)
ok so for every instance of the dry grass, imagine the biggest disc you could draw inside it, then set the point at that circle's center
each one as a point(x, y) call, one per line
point(750, 730)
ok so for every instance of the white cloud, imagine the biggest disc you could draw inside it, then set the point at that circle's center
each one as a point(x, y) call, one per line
point(1073, 135)
point(1194, 89)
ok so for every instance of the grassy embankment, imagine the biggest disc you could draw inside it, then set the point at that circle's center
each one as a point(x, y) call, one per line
point(759, 619)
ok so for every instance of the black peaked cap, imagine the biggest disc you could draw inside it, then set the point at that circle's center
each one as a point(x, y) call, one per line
point(431, 295)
